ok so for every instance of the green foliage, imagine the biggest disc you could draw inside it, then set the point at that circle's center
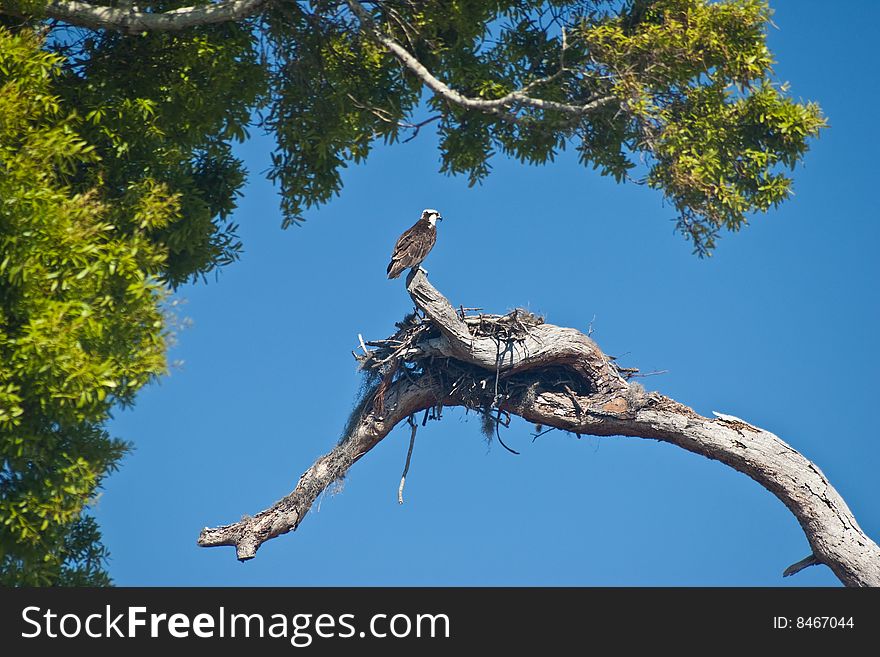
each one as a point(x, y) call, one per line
point(80, 554)
point(687, 89)
point(80, 324)
point(334, 93)
point(26, 7)
point(170, 120)
point(687, 103)
point(116, 182)
point(695, 79)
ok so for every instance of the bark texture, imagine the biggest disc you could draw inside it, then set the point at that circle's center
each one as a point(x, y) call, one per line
point(557, 377)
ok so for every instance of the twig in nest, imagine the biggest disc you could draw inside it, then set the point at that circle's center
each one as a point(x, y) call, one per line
point(383, 343)
point(379, 398)
point(638, 375)
point(575, 401)
point(535, 436)
point(412, 441)
point(462, 311)
point(498, 434)
point(456, 384)
point(497, 370)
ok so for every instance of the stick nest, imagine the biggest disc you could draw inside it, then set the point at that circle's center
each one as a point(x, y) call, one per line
point(484, 390)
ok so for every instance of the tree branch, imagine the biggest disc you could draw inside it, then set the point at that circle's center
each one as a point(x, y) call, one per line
point(498, 106)
point(247, 535)
point(833, 533)
point(556, 377)
point(412, 442)
point(130, 20)
point(118, 19)
point(800, 565)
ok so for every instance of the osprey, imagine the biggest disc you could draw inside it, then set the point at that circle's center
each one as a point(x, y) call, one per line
point(414, 245)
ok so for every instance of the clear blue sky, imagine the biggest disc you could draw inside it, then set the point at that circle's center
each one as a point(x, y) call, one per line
point(779, 327)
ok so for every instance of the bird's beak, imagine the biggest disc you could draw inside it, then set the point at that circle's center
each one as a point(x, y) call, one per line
point(439, 218)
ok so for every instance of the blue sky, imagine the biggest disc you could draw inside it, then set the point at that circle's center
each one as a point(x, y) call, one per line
point(778, 328)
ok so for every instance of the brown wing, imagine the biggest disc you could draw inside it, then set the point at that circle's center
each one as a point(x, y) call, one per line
point(412, 247)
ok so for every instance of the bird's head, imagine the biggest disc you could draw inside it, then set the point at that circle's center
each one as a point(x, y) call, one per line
point(431, 216)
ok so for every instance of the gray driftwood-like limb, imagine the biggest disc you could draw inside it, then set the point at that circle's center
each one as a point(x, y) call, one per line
point(557, 377)
point(249, 533)
point(830, 527)
point(412, 442)
point(125, 19)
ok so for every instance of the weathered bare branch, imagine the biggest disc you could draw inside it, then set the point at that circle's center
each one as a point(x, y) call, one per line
point(401, 400)
point(597, 401)
point(121, 19)
point(831, 530)
point(412, 442)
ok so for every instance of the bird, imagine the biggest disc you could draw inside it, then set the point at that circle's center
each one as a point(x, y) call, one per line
point(414, 245)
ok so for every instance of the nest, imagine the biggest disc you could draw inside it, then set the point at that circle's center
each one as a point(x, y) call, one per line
point(474, 387)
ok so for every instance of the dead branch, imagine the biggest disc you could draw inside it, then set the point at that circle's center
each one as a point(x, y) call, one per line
point(248, 534)
point(557, 378)
point(412, 442)
point(130, 20)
